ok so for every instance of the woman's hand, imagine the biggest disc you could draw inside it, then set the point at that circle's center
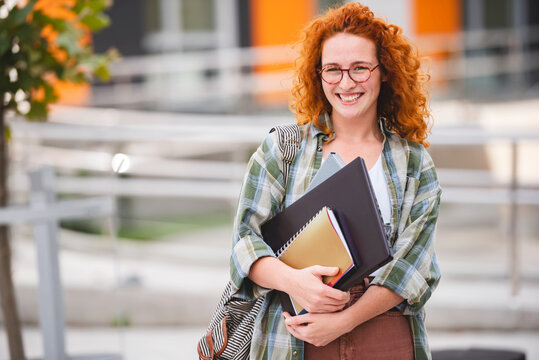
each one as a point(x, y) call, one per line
point(321, 329)
point(304, 285)
point(310, 292)
point(316, 329)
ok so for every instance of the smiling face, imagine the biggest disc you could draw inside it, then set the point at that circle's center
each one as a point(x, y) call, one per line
point(351, 100)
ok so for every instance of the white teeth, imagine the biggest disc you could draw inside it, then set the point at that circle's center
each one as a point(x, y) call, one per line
point(349, 98)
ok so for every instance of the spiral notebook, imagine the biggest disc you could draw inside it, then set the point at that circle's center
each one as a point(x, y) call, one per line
point(320, 242)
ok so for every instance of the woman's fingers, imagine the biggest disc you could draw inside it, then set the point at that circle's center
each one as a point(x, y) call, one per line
point(293, 326)
point(326, 308)
point(323, 305)
point(320, 271)
point(328, 291)
point(297, 320)
point(339, 296)
point(315, 296)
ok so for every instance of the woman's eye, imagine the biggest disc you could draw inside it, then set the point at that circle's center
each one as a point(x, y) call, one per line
point(332, 69)
point(359, 68)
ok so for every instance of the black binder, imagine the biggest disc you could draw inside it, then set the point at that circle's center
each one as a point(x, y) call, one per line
point(350, 193)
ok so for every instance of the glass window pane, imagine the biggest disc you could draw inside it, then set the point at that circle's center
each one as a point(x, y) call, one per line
point(498, 14)
point(198, 15)
point(151, 18)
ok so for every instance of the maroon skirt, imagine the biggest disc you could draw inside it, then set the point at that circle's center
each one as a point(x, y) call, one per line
point(387, 336)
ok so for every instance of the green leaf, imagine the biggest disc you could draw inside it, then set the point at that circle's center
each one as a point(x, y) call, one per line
point(38, 110)
point(98, 5)
point(67, 41)
point(96, 21)
point(102, 72)
point(5, 46)
point(26, 81)
point(80, 78)
point(7, 86)
point(73, 75)
point(78, 7)
point(50, 94)
point(18, 16)
point(94, 6)
point(4, 83)
point(93, 61)
point(98, 65)
point(44, 20)
point(7, 132)
point(27, 33)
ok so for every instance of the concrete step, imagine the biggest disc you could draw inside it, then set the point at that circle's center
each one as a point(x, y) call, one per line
point(483, 305)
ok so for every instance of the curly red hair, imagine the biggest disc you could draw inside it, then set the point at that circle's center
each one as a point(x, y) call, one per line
point(402, 99)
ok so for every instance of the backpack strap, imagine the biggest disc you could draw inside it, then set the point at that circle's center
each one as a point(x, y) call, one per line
point(289, 143)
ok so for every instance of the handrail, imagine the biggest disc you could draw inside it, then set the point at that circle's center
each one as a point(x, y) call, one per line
point(228, 74)
point(237, 134)
point(234, 58)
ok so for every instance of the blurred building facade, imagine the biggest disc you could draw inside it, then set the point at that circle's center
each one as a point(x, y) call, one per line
point(160, 26)
point(472, 48)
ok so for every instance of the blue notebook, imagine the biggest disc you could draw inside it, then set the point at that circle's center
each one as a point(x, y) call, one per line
point(330, 166)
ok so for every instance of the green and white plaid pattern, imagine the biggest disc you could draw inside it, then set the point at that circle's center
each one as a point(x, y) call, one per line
point(415, 199)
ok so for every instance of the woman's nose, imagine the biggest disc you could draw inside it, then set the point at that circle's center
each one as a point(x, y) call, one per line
point(346, 81)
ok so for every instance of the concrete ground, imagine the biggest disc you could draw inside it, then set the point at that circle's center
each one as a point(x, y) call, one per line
point(166, 290)
point(179, 343)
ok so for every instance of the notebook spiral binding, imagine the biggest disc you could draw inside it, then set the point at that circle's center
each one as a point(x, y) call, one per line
point(291, 240)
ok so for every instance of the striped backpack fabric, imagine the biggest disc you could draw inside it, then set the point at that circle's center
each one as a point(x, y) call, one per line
point(231, 328)
point(229, 334)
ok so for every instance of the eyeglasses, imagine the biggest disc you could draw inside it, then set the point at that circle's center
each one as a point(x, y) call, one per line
point(332, 74)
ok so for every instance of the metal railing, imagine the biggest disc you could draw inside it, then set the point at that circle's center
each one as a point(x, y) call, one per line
point(229, 74)
point(166, 175)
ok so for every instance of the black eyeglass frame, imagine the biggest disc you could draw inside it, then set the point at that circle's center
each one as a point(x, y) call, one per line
point(348, 71)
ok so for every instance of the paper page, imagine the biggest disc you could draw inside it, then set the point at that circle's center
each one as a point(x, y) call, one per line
point(337, 228)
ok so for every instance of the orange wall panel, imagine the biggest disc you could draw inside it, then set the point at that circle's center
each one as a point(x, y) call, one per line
point(436, 16)
point(278, 22)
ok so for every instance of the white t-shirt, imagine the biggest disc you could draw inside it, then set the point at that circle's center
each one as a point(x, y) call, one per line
point(379, 185)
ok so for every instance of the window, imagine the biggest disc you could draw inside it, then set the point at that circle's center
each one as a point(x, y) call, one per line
point(198, 15)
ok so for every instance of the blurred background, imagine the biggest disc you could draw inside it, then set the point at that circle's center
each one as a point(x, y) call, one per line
point(153, 162)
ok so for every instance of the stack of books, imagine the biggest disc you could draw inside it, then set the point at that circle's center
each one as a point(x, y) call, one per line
point(336, 223)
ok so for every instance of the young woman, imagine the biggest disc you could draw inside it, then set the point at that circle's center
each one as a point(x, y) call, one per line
point(358, 92)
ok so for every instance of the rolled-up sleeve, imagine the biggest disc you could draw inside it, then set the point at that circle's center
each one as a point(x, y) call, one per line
point(260, 198)
point(414, 272)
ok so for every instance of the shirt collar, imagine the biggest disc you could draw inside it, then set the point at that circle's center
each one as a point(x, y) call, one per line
point(324, 118)
point(382, 122)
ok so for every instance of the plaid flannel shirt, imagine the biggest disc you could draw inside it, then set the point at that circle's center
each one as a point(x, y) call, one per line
point(415, 197)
